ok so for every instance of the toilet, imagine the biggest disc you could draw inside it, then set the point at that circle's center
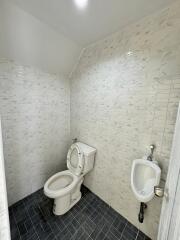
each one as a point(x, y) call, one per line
point(64, 187)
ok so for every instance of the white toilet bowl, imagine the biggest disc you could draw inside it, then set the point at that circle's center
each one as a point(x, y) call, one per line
point(65, 186)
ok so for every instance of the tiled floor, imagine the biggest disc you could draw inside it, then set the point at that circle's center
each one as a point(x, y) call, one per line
point(90, 219)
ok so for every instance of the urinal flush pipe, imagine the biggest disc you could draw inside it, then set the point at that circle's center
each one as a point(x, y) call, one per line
point(150, 157)
point(143, 206)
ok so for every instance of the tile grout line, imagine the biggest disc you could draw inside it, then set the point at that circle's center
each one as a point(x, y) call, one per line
point(90, 210)
point(16, 224)
point(32, 224)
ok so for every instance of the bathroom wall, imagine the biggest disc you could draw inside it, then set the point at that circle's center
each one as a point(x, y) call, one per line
point(34, 107)
point(124, 97)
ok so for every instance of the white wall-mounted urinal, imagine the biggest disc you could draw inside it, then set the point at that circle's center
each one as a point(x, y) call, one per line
point(145, 175)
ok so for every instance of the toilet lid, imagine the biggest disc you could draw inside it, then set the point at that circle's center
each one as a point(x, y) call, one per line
point(75, 159)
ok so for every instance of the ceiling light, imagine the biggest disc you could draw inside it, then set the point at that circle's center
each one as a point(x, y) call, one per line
point(81, 3)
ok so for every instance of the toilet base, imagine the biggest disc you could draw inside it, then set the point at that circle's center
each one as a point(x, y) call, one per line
point(58, 208)
point(64, 203)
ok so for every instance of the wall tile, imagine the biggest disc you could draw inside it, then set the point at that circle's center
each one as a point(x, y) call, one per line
point(124, 96)
point(34, 107)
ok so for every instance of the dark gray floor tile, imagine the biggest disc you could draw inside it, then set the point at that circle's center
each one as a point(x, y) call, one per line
point(90, 219)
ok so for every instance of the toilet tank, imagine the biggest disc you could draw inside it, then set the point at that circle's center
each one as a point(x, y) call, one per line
point(89, 157)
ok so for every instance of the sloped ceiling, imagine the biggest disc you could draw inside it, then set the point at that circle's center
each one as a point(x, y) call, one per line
point(29, 41)
point(51, 34)
point(99, 19)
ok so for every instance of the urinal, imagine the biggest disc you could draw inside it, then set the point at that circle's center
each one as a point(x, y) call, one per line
point(145, 175)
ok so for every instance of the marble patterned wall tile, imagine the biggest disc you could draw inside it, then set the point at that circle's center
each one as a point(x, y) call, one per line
point(34, 108)
point(124, 96)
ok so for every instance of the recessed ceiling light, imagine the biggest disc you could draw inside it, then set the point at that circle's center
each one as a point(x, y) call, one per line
point(81, 3)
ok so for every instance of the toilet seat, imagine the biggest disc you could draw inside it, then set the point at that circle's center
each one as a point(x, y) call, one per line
point(65, 187)
point(75, 159)
point(60, 184)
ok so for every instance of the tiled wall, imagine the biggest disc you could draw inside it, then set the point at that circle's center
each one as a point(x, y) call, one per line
point(4, 218)
point(124, 96)
point(34, 107)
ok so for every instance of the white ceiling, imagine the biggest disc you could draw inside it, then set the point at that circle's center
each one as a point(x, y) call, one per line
point(99, 19)
point(26, 39)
